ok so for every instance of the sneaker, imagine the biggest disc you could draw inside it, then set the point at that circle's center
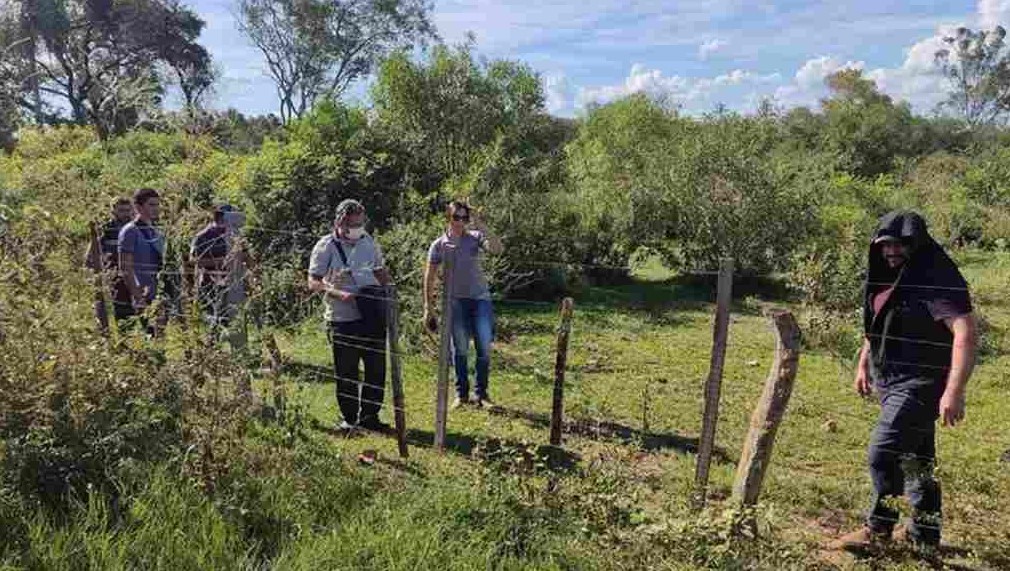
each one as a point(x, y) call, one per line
point(483, 401)
point(345, 426)
point(858, 540)
point(458, 403)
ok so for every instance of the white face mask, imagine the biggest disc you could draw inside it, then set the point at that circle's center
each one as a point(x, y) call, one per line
point(355, 233)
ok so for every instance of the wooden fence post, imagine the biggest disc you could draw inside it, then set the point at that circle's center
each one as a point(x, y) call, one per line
point(105, 304)
point(557, 409)
point(444, 362)
point(720, 335)
point(395, 371)
point(764, 423)
point(276, 364)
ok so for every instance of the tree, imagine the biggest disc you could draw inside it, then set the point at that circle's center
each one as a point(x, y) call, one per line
point(9, 88)
point(863, 128)
point(977, 66)
point(315, 48)
point(104, 61)
point(451, 109)
point(191, 68)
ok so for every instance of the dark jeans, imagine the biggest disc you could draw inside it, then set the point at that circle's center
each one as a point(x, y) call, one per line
point(902, 458)
point(472, 318)
point(352, 344)
point(128, 318)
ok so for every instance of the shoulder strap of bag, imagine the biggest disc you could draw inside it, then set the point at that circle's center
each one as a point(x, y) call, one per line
point(343, 258)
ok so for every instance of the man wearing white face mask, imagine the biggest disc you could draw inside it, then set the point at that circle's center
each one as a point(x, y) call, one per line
point(347, 268)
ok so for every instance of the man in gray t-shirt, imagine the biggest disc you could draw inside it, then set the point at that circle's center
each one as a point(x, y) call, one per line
point(458, 251)
point(347, 268)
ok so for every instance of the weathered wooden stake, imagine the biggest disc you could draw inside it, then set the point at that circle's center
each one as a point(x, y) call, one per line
point(564, 331)
point(710, 417)
point(107, 316)
point(276, 364)
point(395, 371)
point(444, 362)
point(764, 423)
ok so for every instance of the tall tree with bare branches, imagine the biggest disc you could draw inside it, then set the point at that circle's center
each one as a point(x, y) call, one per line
point(104, 62)
point(314, 49)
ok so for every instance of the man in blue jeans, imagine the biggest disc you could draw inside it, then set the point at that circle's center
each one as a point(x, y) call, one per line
point(918, 353)
point(471, 311)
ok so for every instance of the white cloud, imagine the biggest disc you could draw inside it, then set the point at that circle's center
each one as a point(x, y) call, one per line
point(917, 80)
point(993, 12)
point(710, 47)
point(808, 86)
point(557, 93)
point(812, 74)
point(691, 92)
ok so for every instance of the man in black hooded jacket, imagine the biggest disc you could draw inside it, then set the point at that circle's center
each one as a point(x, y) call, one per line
point(918, 353)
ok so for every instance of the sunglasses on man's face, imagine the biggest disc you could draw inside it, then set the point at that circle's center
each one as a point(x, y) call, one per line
point(461, 217)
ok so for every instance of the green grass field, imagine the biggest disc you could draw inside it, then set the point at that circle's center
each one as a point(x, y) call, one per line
point(639, 354)
point(616, 496)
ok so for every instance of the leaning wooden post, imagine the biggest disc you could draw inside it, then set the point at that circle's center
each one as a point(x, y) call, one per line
point(557, 410)
point(445, 330)
point(395, 371)
point(105, 305)
point(276, 364)
point(710, 417)
point(764, 423)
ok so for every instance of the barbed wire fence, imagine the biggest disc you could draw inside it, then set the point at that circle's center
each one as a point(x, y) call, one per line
point(302, 304)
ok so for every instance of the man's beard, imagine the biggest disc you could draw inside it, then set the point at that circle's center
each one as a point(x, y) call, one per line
point(895, 261)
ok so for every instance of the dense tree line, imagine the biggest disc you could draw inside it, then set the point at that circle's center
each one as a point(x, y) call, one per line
point(783, 190)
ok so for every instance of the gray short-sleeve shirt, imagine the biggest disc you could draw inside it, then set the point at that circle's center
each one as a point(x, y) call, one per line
point(468, 280)
point(147, 245)
point(363, 256)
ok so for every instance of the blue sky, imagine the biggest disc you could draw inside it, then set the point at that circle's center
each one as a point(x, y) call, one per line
point(697, 53)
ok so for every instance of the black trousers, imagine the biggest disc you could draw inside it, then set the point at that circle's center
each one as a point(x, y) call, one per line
point(353, 343)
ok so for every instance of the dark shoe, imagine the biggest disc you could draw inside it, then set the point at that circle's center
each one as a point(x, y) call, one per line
point(376, 425)
point(861, 539)
point(924, 549)
point(483, 401)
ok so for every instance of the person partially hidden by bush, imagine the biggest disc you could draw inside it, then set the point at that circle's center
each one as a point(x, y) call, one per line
point(458, 250)
point(347, 267)
point(141, 256)
point(103, 256)
point(918, 353)
point(220, 267)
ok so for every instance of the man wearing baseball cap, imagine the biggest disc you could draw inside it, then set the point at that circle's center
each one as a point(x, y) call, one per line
point(219, 265)
point(918, 353)
point(347, 267)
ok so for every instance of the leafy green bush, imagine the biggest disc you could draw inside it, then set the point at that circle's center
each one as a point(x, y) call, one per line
point(696, 191)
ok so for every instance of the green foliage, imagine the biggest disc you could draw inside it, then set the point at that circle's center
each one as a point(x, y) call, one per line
point(697, 191)
point(292, 187)
point(863, 128)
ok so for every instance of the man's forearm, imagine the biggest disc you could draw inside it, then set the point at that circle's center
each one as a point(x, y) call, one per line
point(129, 277)
point(209, 263)
point(428, 285)
point(962, 363)
point(317, 285)
point(494, 244)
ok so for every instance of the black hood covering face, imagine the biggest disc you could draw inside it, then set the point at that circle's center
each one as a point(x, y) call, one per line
point(928, 267)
